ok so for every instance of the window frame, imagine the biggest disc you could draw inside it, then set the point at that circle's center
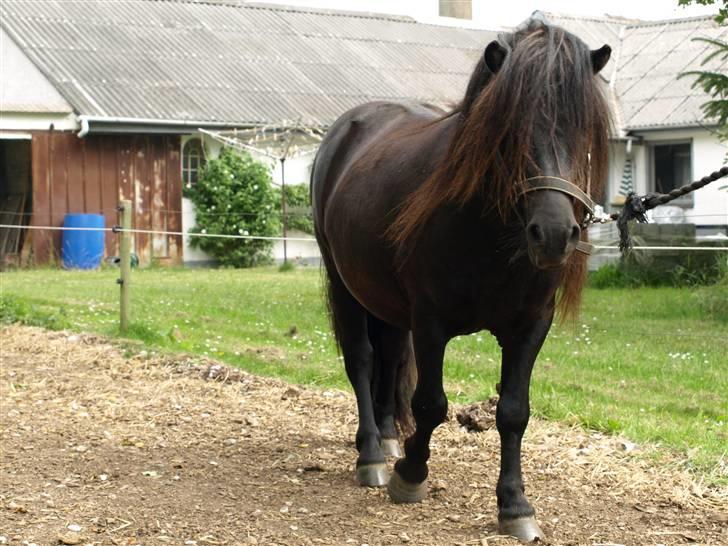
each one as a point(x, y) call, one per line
point(686, 201)
point(185, 168)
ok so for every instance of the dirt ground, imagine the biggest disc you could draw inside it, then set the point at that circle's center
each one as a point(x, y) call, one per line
point(99, 447)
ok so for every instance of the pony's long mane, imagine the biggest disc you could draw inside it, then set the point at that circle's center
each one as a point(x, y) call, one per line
point(546, 86)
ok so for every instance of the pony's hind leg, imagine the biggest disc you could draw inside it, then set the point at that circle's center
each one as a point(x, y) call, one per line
point(392, 355)
point(349, 320)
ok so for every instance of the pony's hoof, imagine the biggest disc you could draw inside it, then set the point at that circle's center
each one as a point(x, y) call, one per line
point(525, 529)
point(372, 475)
point(391, 448)
point(401, 491)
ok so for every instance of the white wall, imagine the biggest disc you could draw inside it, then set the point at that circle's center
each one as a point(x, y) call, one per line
point(191, 255)
point(710, 204)
point(617, 156)
point(35, 121)
point(28, 101)
point(298, 251)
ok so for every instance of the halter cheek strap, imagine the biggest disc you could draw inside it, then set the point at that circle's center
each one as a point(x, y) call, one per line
point(556, 183)
point(584, 247)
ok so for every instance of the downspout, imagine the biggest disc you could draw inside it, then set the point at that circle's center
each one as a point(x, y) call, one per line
point(84, 126)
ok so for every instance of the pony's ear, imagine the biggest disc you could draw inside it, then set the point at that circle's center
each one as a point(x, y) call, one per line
point(600, 57)
point(494, 55)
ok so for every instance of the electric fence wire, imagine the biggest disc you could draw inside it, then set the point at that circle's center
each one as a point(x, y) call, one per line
point(306, 239)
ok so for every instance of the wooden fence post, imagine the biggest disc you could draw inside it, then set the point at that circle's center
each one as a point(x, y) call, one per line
point(125, 264)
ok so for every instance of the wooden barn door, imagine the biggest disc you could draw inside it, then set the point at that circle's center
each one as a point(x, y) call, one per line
point(92, 174)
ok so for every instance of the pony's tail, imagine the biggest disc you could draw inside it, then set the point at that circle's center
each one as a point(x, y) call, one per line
point(406, 381)
point(405, 377)
point(326, 273)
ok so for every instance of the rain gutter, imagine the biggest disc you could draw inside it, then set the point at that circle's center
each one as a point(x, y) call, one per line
point(103, 124)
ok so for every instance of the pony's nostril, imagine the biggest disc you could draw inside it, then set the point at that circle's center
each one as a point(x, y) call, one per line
point(535, 233)
point(575, 233)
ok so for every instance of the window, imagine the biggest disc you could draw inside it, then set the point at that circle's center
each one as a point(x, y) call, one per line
point(192, 160)
point(672, 167)
point(462, 9)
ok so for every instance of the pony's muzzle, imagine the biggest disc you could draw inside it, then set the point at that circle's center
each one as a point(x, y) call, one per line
point(551, 243)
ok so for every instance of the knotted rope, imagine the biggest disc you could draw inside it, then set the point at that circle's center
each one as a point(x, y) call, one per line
point(636, 207)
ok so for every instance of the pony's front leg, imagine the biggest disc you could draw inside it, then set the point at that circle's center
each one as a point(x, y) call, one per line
point(429, 409)
point(516, 516)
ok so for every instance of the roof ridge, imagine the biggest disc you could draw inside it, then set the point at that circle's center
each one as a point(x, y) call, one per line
point(660, 22)
point(606, 18)
point(301, 9)
point(631, 22)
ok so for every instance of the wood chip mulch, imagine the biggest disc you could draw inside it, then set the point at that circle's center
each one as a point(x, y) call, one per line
point(100, 446)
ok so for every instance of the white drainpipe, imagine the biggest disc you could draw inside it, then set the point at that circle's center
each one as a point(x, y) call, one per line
point(84, 127)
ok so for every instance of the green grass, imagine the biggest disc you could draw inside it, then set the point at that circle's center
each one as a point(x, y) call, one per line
point(645, 362)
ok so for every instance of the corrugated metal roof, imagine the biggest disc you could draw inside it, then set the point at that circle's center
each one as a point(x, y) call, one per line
point(223, 61)
point(648, 57)
point(660, 98)
point(236, 63)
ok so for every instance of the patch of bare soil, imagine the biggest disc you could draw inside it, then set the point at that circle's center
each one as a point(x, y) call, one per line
point(102, 449)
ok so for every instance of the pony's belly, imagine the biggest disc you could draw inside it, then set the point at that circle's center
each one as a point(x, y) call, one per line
point(376, 291)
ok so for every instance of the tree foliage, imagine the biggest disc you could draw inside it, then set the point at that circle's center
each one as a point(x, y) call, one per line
point(712, 82)
point(722, 10)
point(233, 196)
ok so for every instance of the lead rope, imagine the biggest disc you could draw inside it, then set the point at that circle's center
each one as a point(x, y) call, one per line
point(636, 207)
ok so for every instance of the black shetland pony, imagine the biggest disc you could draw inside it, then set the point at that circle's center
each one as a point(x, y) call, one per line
point(429, 229)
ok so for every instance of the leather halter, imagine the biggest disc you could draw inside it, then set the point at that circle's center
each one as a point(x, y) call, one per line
point(556, 183)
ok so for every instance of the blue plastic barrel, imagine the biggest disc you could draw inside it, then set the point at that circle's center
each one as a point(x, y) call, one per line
point(82, 249)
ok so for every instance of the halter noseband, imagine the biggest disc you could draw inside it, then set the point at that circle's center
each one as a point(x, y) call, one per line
point(545, 182)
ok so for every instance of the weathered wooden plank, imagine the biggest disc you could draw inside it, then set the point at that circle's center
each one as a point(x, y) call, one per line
point(11, 213)
point(160, 248)
point(109, 177)
point(143, 197)
point(76, 175)
point(58, 187)
point(40, 163)
point(92, 187)
point(125, 162)
point(174, 197)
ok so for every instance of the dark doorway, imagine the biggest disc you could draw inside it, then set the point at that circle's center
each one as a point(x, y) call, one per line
point(16, 193)
point(672, 168)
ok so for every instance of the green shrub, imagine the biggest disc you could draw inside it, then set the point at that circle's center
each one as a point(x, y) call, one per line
point(696, 268)
point(285, 267)
point(233, 196)
point(607, 276)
